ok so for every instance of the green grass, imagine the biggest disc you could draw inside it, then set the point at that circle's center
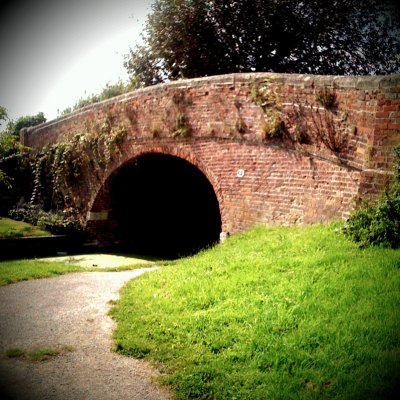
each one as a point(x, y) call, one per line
point(11, 229)
point(277, 313)
point(23, 270)
point(39, 354)
point(43, 354)
point(15, 352)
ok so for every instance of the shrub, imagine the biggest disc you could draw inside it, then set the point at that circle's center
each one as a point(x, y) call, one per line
point(15, 172)
point(378, 224)
point(55, 223)
point(326, 98)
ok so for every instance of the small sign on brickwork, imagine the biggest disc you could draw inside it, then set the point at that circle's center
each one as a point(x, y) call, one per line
point(240, 173)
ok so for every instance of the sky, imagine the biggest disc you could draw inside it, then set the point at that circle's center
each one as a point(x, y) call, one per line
point(52, 52)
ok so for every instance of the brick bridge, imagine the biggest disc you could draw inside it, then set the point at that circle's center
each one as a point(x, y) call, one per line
point(216, 155)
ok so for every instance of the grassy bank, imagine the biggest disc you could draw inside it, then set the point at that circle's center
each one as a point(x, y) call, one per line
point(10, 229)
point(22, 270)
point(278, 313)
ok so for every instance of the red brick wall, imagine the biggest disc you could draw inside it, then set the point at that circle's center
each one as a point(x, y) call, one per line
point(285, 180)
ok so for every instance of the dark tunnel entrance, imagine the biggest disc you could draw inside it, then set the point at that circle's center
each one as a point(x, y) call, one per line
point(164, 206)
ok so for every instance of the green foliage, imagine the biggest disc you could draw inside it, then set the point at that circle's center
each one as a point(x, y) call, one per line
point(265, 95)
point(3, 113)
point(397, 164)
point(57, 223)
point(15, 352)
point(43, 354)
point(10, 146)
point(58, 167)
point(15, 167)
point(378, 224)
point(14, 127)
point(15, 171)
point(273, 125)
point(215, 37)
point(5, 180)
point(182, 127)
point(275, 313)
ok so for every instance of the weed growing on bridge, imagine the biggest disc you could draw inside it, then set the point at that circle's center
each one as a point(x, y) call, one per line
point(59, 167)
point(131, 114)
point(326, 98)
point(321, 126)
point(277, 313)
point(240, 125)
point(331, 129)
point(305, 123)
point(182, 127)
point(266, 95)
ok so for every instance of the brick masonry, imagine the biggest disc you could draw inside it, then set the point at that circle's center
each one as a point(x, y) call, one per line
point(297, 178)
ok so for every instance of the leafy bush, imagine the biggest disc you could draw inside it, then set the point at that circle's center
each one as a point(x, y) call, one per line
point(15, 172)
point(378, 224)
point(55, 223)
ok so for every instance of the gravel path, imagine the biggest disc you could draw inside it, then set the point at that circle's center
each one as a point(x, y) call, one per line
point(70, 310)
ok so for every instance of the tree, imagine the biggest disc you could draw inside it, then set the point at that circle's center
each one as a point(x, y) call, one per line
point(15, 172)
point(5, 180)
point(192, 38)
point(3, 114)
point(14, 127)
point(15, 167)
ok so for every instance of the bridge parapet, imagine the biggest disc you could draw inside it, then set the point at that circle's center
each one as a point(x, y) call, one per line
point(361, 125)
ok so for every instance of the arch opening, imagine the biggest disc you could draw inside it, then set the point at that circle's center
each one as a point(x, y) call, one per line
point(163, 206)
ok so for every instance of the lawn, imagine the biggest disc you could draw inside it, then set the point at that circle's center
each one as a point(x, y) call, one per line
point(22, 270)
point(275, 313)
point(10, 229)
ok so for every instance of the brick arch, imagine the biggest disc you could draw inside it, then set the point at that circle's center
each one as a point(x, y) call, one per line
point(97, 202)
point(98, 217)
